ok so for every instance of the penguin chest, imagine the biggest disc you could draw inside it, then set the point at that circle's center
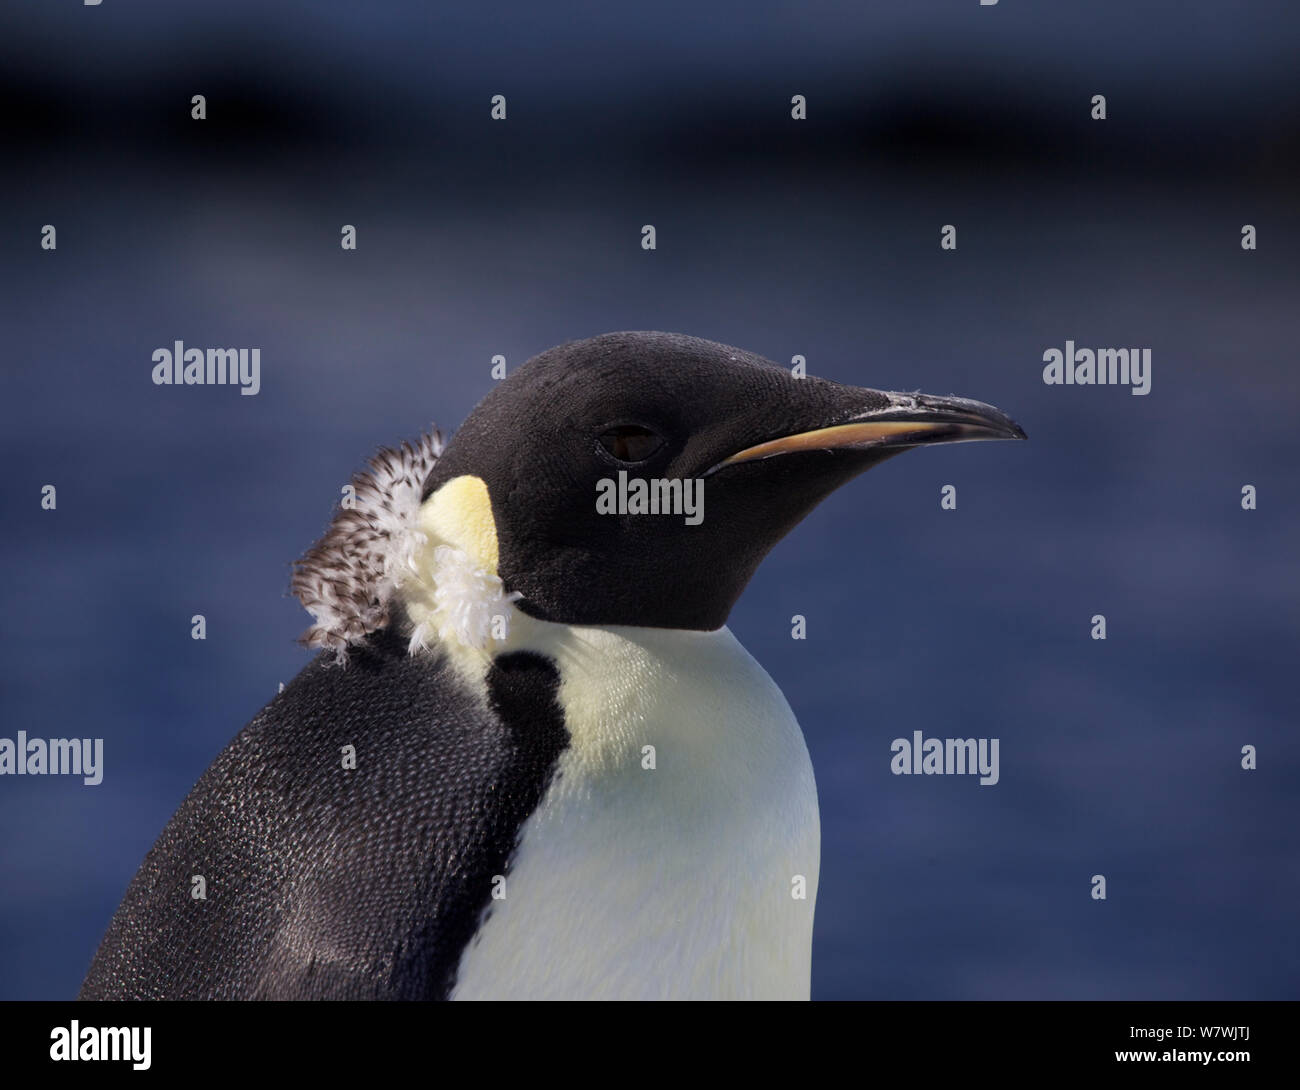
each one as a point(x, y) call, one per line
point(675, 853)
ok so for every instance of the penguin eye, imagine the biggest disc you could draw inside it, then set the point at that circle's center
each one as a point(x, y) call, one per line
point(630, 442)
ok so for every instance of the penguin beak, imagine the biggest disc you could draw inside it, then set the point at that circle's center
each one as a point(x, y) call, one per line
point(908, 420)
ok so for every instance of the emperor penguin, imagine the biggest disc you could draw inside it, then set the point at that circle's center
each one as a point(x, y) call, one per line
point(530, 761)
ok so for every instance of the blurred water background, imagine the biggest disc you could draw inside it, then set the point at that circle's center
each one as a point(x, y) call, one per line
point(819, 238)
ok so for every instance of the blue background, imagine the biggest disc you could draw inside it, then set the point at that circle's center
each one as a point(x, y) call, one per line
point(819, 238)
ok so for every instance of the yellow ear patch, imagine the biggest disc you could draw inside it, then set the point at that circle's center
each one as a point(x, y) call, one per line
point(460, 514)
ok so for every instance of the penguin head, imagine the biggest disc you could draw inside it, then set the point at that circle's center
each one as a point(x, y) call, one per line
point(640, 478)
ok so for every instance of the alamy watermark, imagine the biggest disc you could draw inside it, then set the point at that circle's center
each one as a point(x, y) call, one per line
point(116, 1044)
point(25, 756)
point(945, 757)
point(651, 496)
point(1103, 367)
point(181, 366)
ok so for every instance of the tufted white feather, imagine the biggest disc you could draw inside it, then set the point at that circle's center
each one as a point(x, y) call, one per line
point(348, 579)
point(466, 599)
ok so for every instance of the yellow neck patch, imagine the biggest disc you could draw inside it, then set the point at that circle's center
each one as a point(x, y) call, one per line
point(460, 515)
point(452, 592)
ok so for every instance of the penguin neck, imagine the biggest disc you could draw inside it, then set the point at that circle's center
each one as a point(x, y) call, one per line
point(685, 794)
point(610, 675)
point(456, 604)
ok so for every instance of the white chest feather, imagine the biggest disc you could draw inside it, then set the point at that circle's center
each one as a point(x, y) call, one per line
point(694, 878)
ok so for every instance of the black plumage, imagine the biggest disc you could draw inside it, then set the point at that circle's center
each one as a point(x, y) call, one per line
point(330, 883)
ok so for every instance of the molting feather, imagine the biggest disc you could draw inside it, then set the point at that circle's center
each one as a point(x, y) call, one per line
point(348, 579)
